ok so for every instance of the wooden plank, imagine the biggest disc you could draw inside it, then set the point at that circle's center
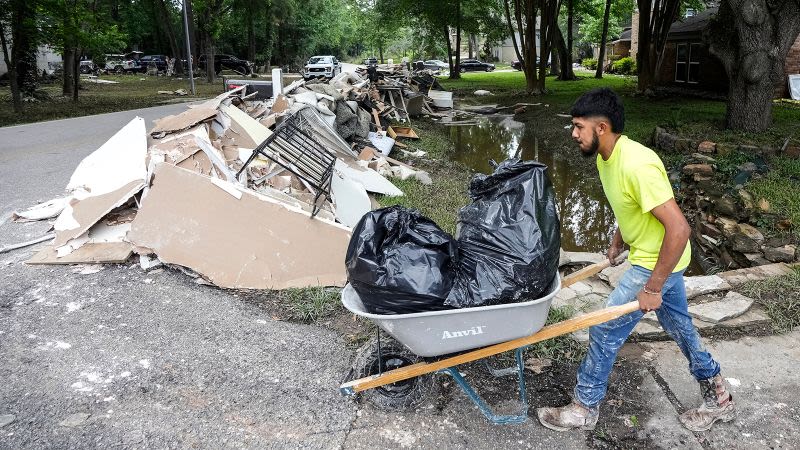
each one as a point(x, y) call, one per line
point(588, 271)
point(548, 332)
point(106, 252)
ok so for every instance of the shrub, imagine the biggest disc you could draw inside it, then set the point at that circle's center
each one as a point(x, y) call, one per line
point(590, 63)
point(624, 66)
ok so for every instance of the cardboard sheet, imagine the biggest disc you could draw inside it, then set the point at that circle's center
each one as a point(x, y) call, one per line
point(253, 242)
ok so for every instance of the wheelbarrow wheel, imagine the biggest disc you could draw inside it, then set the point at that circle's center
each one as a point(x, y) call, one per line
point(406, 394)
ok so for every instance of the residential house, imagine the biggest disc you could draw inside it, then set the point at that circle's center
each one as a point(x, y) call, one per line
point(687, 63)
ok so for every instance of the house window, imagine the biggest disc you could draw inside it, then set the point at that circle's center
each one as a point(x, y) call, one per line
point(687, 63)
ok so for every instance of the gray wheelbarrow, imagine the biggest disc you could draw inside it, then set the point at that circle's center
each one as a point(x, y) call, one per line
point(397, 375)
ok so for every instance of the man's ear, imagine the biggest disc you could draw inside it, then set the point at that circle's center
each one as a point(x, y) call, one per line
point(602, 127)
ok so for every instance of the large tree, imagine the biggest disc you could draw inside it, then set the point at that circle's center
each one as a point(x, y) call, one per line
point(752, 39)
point(601, 59)
point(655, 19)
point(534, 60)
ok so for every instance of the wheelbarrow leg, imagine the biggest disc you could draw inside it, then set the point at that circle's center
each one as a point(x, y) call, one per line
point(497, 419)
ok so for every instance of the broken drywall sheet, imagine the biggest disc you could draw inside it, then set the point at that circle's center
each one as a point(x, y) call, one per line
point(350, 199)
point(100, 233)
point(46, 210)
point(216, 101)
point(117, 252)
point(115, 164)
point(371, 180)
point(184, 120)
point(254, 130)
point(267, 244)
point(79, 215)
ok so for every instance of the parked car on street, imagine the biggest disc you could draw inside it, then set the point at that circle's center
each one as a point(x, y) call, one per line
point(126, 63)
point(88, 66)
point(228, 62)
point(157, 61)
point(436, 64)
point(321, 67)
point(471, 65)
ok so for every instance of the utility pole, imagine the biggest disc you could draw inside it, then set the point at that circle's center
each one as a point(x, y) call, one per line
point(188, 46)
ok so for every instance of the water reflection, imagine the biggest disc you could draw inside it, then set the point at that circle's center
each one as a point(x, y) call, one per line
point(587, 221)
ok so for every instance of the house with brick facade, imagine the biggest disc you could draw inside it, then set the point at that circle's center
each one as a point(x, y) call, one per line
point(687, 63)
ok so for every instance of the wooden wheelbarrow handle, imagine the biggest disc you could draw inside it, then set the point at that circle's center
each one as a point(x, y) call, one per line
point(557, 329)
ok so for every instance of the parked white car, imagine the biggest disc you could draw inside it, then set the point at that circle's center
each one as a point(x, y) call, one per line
point(123, 63)
point(321, 67)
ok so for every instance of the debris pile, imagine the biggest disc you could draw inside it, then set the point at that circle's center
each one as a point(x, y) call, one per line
point(244, 193)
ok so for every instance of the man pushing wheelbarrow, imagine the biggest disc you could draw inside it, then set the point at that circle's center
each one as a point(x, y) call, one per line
point(400, 267)
point(651, 223)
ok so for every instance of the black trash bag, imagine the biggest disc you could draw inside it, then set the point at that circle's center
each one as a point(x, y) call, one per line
point(508, 237)
point(400, 262)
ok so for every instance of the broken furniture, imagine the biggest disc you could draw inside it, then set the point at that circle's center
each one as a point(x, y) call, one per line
point(296, 151)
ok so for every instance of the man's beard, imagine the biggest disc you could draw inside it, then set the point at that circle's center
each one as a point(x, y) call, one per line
point(593, 148)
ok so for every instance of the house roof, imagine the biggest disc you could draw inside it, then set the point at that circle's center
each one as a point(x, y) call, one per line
point(691, 27)
point(624, 36)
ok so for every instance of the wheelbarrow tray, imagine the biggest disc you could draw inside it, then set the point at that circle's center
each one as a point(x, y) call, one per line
point(438, 333)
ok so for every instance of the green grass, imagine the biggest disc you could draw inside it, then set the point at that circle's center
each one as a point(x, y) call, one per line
point(308, 305)
point(689, 117)
point(132, 92)
point(780, 297)
point(780, 188)
point(561, 348)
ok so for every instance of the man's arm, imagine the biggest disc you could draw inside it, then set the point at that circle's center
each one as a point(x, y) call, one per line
point(676, 235)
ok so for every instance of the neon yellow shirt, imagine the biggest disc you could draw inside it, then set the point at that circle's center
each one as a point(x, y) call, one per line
point(635, 182)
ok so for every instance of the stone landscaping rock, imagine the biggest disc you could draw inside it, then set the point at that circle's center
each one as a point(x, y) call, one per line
point(735, 278)
point(704, 285)
point(749, 166)
point(751, 232)
point(698, 177)
point(763, 205)
point(732, 305)
point(747, 199)
point(703, 158)
point(742, 243)
point(710, 230)
point(729, 226)
point(792, 151)
point(704, 169)
point(726, 206)
point(757, 259)
point(754, 318)
point(780, 254)
point(580, 258)
point(707, 147)
point(613, 274)
point(74, 420)
point(645, 330)
point(6, 419)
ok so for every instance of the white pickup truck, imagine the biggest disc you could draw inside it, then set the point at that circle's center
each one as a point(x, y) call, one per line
point(322, 67)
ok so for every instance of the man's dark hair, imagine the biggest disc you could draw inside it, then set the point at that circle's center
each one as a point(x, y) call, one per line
point(601, 102)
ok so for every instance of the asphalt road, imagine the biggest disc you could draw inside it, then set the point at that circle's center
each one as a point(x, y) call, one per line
point(134, 359)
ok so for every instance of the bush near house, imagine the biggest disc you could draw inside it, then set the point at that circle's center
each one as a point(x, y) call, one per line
point(624, 66)
point(589, 63)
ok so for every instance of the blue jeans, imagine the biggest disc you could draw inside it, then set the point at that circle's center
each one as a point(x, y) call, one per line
point(606, 339)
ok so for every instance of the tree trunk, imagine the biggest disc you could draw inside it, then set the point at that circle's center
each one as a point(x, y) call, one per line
point(76, 78)
point(547, 27)
point(601, 59)
point(752, 39)
point(565, 73)
point(24, 43)
point(251, 33)
point(570, 18)
point(654, 24)
point(165, 20)
point(456, 74)
point(68, 58)
point(513, 33)
point(449, 48)
point(211, 69)
point(16, 98)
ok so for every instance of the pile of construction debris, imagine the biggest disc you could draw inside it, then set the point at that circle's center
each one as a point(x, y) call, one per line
point(243, 193)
